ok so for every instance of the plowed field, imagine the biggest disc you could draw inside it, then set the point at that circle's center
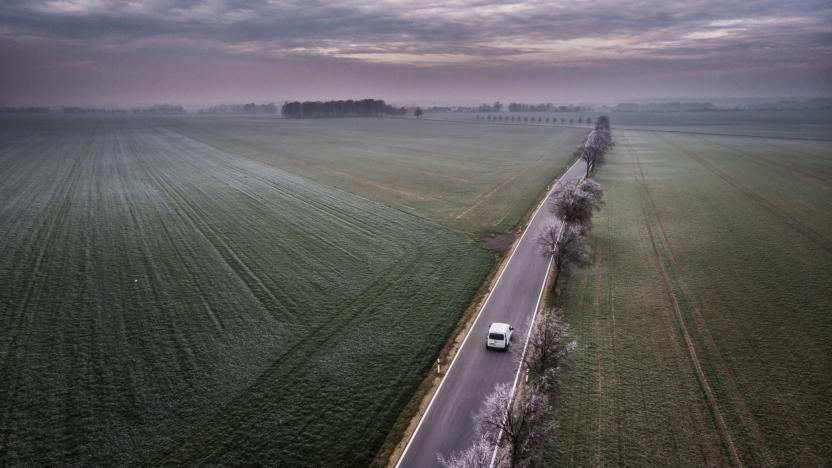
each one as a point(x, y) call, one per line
point(256, 293)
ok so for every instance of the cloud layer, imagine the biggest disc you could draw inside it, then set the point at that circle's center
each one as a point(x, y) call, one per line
point(144, 50)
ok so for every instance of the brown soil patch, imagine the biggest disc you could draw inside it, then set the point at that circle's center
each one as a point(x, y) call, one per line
point(498, 242)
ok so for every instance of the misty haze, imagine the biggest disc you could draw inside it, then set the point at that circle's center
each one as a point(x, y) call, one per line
point(461, 234)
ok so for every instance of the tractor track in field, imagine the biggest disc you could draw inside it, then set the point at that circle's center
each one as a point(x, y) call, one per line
point(577, 409)
point(764, 161)
point(719, 420)
point(740, 135)
point(212, 432)
point(598, 455)
point(613, 344)
point(307, 346)
point(132, 209)
point(323, 207)
point(294, 179)
point(221, 245)
point(712, 453)
point(58, 206)
point(804, 152)
point(808, 232)
point(140, 329)
point(716, 412)
point(725, 373)
point(482, 197)
point(261, 202)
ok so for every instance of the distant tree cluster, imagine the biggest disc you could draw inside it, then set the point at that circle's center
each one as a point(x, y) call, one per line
point(348, 108)
point(250, 108)
point(24, 110)
point(808, 104)
point(160, 109)
point(496, 107)
point(547, 107)
point(517, 107)
point(91, 110)
point(667, 107)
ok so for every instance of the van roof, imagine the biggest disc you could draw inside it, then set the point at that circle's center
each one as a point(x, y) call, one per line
point(498, 327)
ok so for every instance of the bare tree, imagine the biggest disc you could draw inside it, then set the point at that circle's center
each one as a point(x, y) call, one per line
point(513, 428)
point(574, 205)
point(548, 346)
point(588, 156)
point(478, 455)
point(593, 192)
point(566, 249)
point(549, 239)
point(523, 423)
point(602, 123)
point(595, 146)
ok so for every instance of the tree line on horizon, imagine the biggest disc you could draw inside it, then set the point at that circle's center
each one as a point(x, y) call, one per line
point(250, 108)
point(91, 110)
point(160, 109)
point(340, 108)
point(167, 109)
point(532, 119)
point(24, 110)
point(545, 107)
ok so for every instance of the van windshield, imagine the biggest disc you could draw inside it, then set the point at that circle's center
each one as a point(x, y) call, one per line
point(495, 336)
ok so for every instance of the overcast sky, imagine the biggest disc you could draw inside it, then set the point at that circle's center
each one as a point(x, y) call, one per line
point(191, 52)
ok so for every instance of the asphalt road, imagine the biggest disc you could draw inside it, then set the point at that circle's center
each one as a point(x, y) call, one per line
point(447, 426)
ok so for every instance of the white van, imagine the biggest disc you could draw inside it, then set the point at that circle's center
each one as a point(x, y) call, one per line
point(499, 336)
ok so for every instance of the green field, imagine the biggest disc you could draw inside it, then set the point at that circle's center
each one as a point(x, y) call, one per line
point(247, 291)
point(727, 240)
point(477, 178)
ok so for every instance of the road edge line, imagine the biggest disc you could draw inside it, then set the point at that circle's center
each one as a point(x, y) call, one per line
point(528, 337)
point(522, 356)
point(479, 312)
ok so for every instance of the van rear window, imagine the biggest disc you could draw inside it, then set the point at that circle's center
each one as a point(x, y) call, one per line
point(496, 336)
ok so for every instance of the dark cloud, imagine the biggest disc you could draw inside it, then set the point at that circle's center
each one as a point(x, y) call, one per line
point(399, 42)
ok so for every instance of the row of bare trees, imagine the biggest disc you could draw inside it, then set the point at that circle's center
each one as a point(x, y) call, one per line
point(340, 108)
point(512, 426)
point(596, 144)
point(526, 118)
point(574, 205)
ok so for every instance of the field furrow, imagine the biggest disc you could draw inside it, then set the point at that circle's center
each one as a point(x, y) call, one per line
point(705, 251)
point(171, 296)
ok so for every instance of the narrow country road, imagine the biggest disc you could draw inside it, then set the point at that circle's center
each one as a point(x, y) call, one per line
point(447, 425)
